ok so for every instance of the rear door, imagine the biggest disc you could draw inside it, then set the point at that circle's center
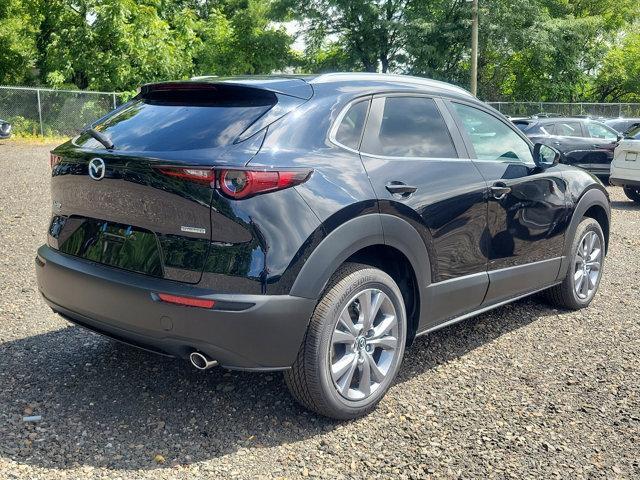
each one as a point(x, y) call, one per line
point(419, 172)
point(603, 142)
point(146, 205)
point(526, 205)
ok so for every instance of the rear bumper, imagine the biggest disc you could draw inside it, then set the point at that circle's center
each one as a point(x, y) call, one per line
point(252, 332)
point(622, 182)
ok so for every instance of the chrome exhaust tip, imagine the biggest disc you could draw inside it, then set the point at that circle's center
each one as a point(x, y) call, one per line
point(201, 361)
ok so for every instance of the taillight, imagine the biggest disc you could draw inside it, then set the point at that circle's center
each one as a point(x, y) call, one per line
point(186, 301)
point(54, 160)
point(239, 184)
point(205, 176)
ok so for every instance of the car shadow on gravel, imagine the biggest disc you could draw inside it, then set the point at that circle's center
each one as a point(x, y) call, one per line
point(108, 405)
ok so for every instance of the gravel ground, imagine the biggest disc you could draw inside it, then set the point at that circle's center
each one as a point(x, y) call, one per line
point(525, 391)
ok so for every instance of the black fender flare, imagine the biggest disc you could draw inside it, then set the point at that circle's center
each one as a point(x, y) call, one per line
point(591, 197)
point(354, 235)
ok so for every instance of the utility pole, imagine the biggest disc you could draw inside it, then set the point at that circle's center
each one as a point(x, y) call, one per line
point(474, 47)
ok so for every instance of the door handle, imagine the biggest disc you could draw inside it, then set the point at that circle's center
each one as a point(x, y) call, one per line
point(500, 190)
point(399, 188)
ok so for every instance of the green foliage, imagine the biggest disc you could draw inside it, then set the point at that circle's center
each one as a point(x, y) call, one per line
point(121, 44)
point(618, 79)
point(17, 42)
point(542, 50)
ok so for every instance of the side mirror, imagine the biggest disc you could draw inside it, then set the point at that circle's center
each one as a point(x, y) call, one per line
point(545, 156)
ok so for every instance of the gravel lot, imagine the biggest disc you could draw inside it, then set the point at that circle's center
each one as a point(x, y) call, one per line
point(525, 391)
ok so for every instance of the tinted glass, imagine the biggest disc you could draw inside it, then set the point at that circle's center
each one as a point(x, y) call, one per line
point(350, 130)
point(411, 127)
point(634, 133)
point(549, 129)
point(568, 129)
point(524, 126)
point(597, 130)
point(180, 121)
point(491, 138)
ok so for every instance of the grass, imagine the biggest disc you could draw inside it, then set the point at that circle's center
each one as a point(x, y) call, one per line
point(22, 139)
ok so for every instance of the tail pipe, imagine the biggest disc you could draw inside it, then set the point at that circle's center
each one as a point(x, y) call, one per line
point(202, 361)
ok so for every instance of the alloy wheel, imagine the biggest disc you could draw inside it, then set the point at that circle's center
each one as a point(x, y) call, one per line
point(587, 265)
point(364, 344)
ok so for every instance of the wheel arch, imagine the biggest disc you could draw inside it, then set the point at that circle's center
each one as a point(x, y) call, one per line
point(595, 204)
point(380, 240)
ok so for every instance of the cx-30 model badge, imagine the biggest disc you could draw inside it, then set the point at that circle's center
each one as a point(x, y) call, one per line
point(97, 168)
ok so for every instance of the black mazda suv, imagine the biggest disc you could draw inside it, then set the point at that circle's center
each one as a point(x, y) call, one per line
point(314, 225)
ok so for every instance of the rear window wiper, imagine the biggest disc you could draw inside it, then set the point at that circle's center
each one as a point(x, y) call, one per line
point(101, 137)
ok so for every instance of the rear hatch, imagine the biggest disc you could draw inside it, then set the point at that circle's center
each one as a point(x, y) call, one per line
point(138, 206)
point(627, 154)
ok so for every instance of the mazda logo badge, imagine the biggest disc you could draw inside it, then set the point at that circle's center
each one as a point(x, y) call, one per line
point(97, 169)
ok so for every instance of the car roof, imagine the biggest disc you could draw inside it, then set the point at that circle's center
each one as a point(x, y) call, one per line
point(358, 81)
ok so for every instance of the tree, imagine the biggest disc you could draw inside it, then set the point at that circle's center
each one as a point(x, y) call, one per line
point(371, 33)
point(17, 42)
point(618, 79)
point(120, 44)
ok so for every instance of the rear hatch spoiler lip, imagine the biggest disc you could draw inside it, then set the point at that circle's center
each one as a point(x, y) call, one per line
point(295, 87)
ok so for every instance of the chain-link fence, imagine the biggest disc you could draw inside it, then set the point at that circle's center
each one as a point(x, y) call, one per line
point(595, 110)
point(47, 112)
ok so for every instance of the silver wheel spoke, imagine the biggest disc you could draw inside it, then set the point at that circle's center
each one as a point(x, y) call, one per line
point(339, 368)
point(345, 383)
point(594, 266)
point(592, 242)
point(365, 310)
point(340, 336)
point(365, 376)
point(383, 327)
point(584, 290)
point(386, 343)
point(345, 320)
point(376, 373)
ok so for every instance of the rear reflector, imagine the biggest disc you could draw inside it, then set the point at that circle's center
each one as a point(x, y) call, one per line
point(186, 301)
point(54, 160)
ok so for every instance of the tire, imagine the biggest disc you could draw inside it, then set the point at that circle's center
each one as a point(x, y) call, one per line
point(566, 294)
point(316, 379)
point(632, 193)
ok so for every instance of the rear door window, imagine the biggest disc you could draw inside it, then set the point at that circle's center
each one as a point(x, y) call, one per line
point(409, 127)
point(172, 120)
point(568, 129)
point(549, 129)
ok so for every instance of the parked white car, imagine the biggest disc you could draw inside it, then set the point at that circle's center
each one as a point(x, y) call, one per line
point(625, 168)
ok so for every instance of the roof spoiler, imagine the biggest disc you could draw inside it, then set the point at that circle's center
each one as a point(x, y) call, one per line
point(293, 87)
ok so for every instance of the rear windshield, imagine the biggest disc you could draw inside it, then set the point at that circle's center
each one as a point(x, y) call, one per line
point(634, 133)
point(523, 126)
point(170, 120)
